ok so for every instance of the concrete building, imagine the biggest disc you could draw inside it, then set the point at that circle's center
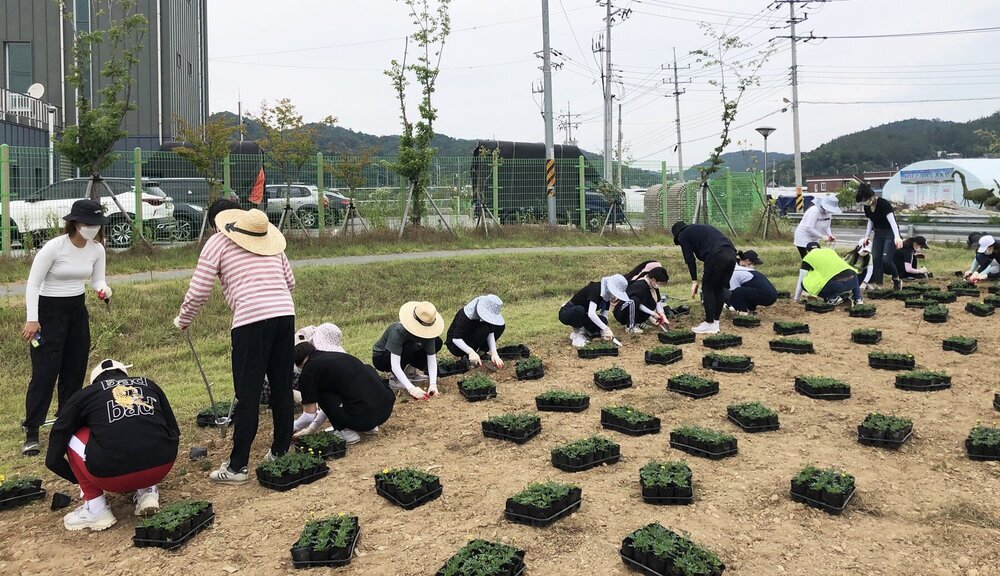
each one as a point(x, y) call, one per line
point(941, 180)
point(171, 79)
point(821, 184)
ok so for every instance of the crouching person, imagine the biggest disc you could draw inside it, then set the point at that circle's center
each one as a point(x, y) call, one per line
point(408, 349)
point(476, 329)
point(116, 435)
point(587, 311)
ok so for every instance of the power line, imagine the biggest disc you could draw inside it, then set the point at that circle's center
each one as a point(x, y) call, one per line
point(981, 99)
point(914, 34)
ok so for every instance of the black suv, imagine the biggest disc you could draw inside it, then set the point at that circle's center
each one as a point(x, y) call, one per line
point(190, 201)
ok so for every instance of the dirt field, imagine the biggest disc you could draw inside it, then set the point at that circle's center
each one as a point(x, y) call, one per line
point(925, 509)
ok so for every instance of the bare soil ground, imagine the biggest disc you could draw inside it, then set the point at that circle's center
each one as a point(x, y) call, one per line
point(924, 509)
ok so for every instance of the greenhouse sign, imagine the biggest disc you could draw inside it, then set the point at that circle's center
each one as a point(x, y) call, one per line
point(930, 175)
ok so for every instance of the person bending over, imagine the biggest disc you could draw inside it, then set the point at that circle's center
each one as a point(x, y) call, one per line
point(860, 258)
point(476, 329)
point(706, 243)
point(828, 276)
point(986, 257)
point(749, 288)
point(992, 269)
point(905, 259)
point(644, 298)
point(409, 348)
point(886, 239)
point(587, 311)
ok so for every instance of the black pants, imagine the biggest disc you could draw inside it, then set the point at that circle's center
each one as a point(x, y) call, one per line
point(756, 292)
point(261, 349)
point(63, 357)
point(718, 271)
point(411, 356)
point(802, 254)
point(883, 254)
point(332, 404)
point(576, 316)
point(478, 339)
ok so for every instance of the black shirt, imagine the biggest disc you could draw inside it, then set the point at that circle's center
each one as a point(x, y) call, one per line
point(395, 336)
point(880, 215)
point(640, 292)
point(132, 428)
point(463, 327)
point(983, 262)
point(701, 241)
point(905, 256)
point(590, 293)
point(357, 385)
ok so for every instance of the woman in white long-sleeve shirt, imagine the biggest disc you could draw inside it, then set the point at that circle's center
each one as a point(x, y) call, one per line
point(816, 227)
point(58, 325)
point(587, 310)
point(475, 330)
point(886, 239)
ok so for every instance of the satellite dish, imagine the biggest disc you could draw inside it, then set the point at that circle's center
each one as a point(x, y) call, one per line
point(36, 90)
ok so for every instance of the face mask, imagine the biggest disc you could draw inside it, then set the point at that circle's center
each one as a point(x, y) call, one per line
point(88, 232)
point(297, 369)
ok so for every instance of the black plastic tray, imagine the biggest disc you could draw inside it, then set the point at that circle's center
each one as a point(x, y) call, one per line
point(518, 572)
point(584, 353)
point(477, 396)
point(686, 339)
point(339, 451)
point(746, 321)
point(829, 396)
point(331, 563)
point(550, 408)
point(515, 439)
point(955, 348)
point(294, 483)
point(869, 314)
point(866, 341)
point(819, 309)
point(882, 442)
point(543, 522)
point(836, 511)
point(703, 453)
point(785, 348)
point(929, 388)
point(729, 369)
point(675, 357)
point(15, 501)
point(513, 352)
point(667, 500)
point(690, 394)
point(594, 464)
point(530, 374)
point(752, 429)
point(460, 367)
point(630, 431)
point(623, 384)
point(880, 365)
point(790, 331)
point(173, 544)
point(731, 343)
point(418, 502)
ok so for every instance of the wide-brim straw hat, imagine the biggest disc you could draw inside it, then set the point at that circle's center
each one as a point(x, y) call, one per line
point(421, 319)
point(251, 230)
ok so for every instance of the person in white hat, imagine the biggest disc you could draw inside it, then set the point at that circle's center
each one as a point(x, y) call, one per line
point(247, 256)
point(587, 311)
point(409, 348)
point(986, 258)
point(116, 435)
point(476, 328)
point(860, 258)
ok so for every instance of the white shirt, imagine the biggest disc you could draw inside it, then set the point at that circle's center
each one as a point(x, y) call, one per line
point(814, 227)
point(60, 269)
point(741, 275)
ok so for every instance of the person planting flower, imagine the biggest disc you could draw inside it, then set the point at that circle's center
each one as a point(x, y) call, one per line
point(644, 305)
point(828, 276)
point(587, 311)
point(986, 258)
point(476, 329)
point(412, 343)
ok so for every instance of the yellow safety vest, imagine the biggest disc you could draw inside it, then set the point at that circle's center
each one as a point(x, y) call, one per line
point(826, 264)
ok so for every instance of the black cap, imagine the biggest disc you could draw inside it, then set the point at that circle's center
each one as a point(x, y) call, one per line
point(676, 230)
point(812, 245)
point(87, 212)
point(752, 257)
point(920, 241)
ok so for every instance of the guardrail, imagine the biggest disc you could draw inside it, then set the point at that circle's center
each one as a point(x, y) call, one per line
point(25, 110)
point(983, 220)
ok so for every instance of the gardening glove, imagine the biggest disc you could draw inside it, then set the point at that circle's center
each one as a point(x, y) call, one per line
point(416, 393)
point(177, 323)
point(432, 390)
point(607, 334)
point(899, 243)
point(104, 293)
point(474, 359)
point(831, 238)
point(497, 361)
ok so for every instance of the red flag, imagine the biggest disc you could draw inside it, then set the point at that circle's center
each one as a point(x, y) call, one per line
point(257, 192)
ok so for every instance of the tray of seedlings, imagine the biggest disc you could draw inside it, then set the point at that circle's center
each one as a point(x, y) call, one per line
point(326, 445)
point(676, 337)
point(866, 336)
point(884, 431)
point(613, 378)
point(907, 294)
point(585, 453)
point(173, 525)
point(785, 328)
point(516, 428)
point(820, 306)
point(891, 360)
point(918, 302)
point(753, 417)
point(19, 490)
point(983, 443)
point(692, 386)
point(822, 388)
point(666, 483)
point(829, 490)
point(407, 487)
point(722, 341)
point(963, 288)
point(629, 420)
point(727, 363)
point(290, 470)
point(597, 349)
point(792, 345)
point(477, 387)
point(657, 551)
point(936, 314)
point(880, 293)
point(326, 542)
point(980, 309)
point(212, 418)
point(513, 352)
point(542, 503)
point(995, 289)
point(747, 321)
point(704, 442)
point(996, 401)
point(482, 558)
point(993, 299)
point(561, 401)
point(529, 368)
point(448, 367)
point(664, 354)
point(940, 296)
point(862, 311)
point(923, 380)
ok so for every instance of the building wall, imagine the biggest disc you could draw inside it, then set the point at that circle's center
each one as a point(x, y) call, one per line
point(20, 135)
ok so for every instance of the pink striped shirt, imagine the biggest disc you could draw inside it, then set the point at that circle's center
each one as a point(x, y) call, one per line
point(256, 287)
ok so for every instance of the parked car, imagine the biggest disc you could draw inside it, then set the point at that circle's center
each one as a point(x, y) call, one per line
point(301, 198)
point(190, 201)
point(337, 206)
point(39, 215)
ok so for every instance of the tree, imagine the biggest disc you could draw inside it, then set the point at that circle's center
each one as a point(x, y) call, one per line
point(88, 145)
point(992, 141)
point(416, 154)
point(350, 167)
point(206, 147)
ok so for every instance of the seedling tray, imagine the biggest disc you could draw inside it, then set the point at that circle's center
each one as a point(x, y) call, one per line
point(566, 467)
point(279, 486)
point(541, 522)
point(596, 353)
point(641, 429)
point(22, 499)
point(977, 312)
point(686, 338)
point(820, 307)
point(746, 321)
point(516, 570)
point(711, 455)
point(804, 329)
point(665, 500)
point(697, 394)
point(174, 544)
point(533, 374)
point(867, 339)
point(976, 454)
point(801, 388)
point(917, 303)
point(731, 368)
point(331, 562)
point(513, 352)
point(861, 313)
point(517, 437)
point(544, 407)
point(994, 289)
point(834, 510)
point(432, 495)
point(478, 395)
point(723, 344)
point(996, 401)
point(891, 364)
point(619, 384)
point(965, 291)
point(752, 428)
point(668, 359)
point(459, 367)
point(882, 442)
point(936, 318)
point(331, 452)
point(791, 348)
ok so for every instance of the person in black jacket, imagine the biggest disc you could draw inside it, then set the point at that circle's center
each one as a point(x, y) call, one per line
point(905, 258)
point(116, 435)
point(707, 244)
point(587, 311)
point(644, 298)
point(886, 238)
point(476, 328)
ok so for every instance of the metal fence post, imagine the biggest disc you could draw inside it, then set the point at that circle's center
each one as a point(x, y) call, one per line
point(227, 187)
point(582, 169)
point(729, 192)
point(663, 193)
point(496, 186)
point(137, 218)
point(321, 209)
point(5, 199)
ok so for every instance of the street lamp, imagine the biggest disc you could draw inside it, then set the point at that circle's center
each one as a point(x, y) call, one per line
point(765, 131)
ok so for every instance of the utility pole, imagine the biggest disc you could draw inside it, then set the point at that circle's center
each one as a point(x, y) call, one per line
point(609, 20)
point(677, 102)
point(567, 124)
point(618, 177)
point(550, 151)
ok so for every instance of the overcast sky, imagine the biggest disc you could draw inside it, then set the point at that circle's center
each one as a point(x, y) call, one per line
point(329, 56)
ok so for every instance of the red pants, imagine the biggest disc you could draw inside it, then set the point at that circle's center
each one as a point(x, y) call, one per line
point(92, 486)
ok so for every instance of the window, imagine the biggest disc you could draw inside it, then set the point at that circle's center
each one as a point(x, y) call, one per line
point(18, 58)
point(81, 13)
point(178, 59)
point(189, 69)
point(822, 186)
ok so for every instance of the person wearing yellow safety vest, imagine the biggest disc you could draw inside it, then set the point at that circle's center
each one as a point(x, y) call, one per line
point(828, 276)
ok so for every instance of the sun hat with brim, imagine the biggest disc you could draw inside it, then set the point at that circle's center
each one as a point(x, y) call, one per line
point(831, 205)
point(87, 212)
point(614, 287)
point(326, 338)
point(251, 230)
point(106, 366)
point(984, 243)
point(486, 308)
point(421, 319)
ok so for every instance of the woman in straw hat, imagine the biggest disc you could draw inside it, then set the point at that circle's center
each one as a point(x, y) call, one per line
point(248, 258)
point(476, 328)
point(587, 311)
point(412, 343)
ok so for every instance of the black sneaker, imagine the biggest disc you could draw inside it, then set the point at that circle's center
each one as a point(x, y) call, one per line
point(31, 446)
point(897, 284)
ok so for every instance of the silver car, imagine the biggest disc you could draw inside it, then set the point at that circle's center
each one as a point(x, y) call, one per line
point(300, 197)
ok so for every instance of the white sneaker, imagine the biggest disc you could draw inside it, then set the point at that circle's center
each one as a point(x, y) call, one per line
point(347, 435)
point(835, 300)
point(634, 330)
point(225, 475)
point(706, 328)
point(414, 374)
point(578, 340)
point(372, 431)
point(83, 519)
point(396, 384)
point(859, 301)
point(864, 286)
point(147, 503)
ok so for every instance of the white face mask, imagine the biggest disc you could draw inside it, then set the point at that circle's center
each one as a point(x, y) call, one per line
point(296, 369)
point(88, 232)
